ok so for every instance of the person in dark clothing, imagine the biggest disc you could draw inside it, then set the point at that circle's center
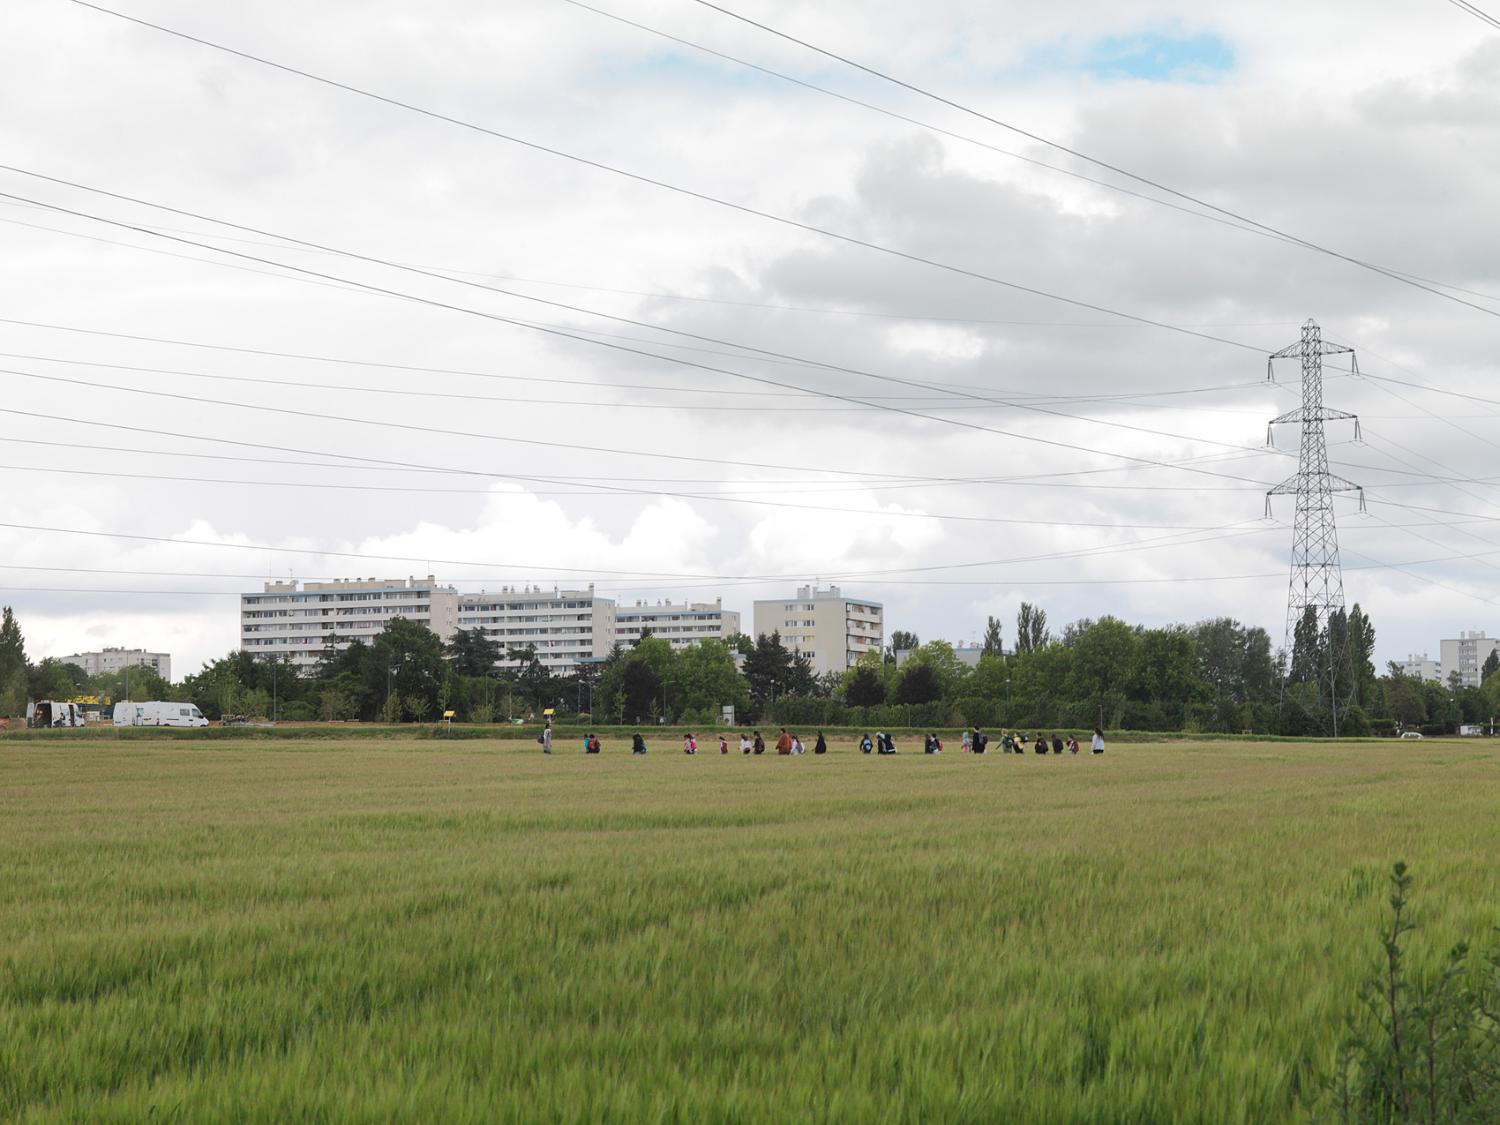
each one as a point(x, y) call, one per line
point(865, 745)
point(1040, 746)
point(978, 741)
point(890, 745)
point(1057, 744)
point(591, 745)
point(637, 744)
point(929, 744)
point(821, 745)
point(760, 743)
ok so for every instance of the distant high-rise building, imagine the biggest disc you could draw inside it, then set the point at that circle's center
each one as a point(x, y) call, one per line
point(832, 631)
point(304, 623)
point(108, 660)
point(679, 623)
point(1466, 655)
point(567, 628)
point(1422, 668)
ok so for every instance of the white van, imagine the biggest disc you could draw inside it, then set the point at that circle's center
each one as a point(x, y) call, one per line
point(158, 714)
point(47, 713)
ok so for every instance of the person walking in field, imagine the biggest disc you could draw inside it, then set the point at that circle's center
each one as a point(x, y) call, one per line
point(591, 744)
point(637, 744)
point(967, 742)
point(744, 744)
point(1057, 744)
point(723, 744)
point(865, 745)
point(547, 739)
point(1040, 746)
point(1072, 745)
point(783, 742)
point(821, 745)
point(1098, 743)
point(689, 744)
point(797, 747)
point(760, 743)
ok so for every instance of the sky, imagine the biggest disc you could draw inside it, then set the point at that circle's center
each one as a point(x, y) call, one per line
point(798, 340)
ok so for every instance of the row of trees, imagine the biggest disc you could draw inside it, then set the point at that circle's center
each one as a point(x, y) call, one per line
point(1217, 675)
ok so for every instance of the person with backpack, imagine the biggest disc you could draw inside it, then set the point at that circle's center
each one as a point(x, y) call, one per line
point(590, 744)
point(890, 743)
point(760, 743)
point(967, 742)
point(821, 745)
point(1072, 744)
point(637, 744)
point(723, 744)
point(865, 745)
point(545, 738)
point(1040, 746)
point(1057, 744)
point(783, 742)
point(689, 744)
point(1098, 744)
point(978, 740)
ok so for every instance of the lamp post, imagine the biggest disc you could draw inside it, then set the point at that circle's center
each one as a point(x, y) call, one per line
point(389, 681)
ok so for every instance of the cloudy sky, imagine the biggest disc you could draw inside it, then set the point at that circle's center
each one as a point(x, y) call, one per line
point(441, 348)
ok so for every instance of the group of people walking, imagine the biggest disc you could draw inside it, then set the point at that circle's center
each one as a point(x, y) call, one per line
point(972, 741)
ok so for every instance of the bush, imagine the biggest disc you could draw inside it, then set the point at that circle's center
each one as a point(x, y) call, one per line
point(1425, 1047)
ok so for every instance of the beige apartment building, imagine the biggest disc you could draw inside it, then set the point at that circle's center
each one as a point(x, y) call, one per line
point(301, 622)
point(679, 623)
point(109, 660)
point(1466, 654)
point(831, 630)
point(568, 628)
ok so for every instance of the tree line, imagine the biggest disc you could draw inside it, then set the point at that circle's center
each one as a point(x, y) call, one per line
point(1215, 676)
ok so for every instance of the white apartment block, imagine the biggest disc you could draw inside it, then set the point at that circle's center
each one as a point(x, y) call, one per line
point(832, 631)
point(301, 623)
point(118, 659)
point(1422, 668)
point(568, 628)
point(679, 623)
point(1466, 655)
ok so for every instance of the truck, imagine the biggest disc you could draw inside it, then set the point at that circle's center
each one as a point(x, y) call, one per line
point(158, 713)
point(51, 713)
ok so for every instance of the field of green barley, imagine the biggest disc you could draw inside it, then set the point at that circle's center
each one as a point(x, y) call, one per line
point(470, 931)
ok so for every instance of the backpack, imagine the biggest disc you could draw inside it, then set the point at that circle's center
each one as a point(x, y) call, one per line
point(541, 739)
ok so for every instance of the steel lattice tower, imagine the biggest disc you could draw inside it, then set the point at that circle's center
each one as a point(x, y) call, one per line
point(1317, 578)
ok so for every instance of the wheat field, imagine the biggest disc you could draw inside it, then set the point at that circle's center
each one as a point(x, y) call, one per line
point(471, 931)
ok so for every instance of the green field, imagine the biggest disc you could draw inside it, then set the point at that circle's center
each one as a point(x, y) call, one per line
point(470, 931)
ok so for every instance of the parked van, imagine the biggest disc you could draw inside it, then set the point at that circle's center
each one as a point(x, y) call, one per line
point(158, 714)
point(46, 713)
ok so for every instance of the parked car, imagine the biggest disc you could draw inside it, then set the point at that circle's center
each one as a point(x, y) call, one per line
point(1411, 734)
point(157, 713)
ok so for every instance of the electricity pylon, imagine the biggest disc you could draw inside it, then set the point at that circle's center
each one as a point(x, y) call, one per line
point(1317, 580)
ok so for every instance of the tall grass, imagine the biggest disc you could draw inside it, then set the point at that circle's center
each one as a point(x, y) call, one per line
point(473, 932)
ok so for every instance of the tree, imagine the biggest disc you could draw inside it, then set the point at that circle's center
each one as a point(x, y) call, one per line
point(918, 684)
point(992, 645)
point(1491, 665)
point(52, 679)
point(473, 653)
point(640, 691)
point(951, 672)
point(12, 666)
point(1031, 629)
point(703, 679)
point(864, 687)
point(1308, 658)
point(902, 640)
point(1104, 658)
point(416, 654)
point(770, 670)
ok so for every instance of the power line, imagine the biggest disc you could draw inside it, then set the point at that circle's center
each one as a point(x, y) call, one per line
point(1478, 13)
point(546, 328)
point(637, 177)
point(1031, 438)
point(1394, 275)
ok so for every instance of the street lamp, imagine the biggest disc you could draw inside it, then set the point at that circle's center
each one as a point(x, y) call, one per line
point(389, 680)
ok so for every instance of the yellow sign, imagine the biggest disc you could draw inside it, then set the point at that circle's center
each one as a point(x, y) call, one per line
point(548, 712)
point(448, 714)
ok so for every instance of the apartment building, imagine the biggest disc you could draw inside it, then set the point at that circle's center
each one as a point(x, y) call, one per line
point(568, 628)
point(301, 622)
point(1466, 655)
point(1423, 668)
point(109, 660)
point(679, 623)
point(831, 630)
